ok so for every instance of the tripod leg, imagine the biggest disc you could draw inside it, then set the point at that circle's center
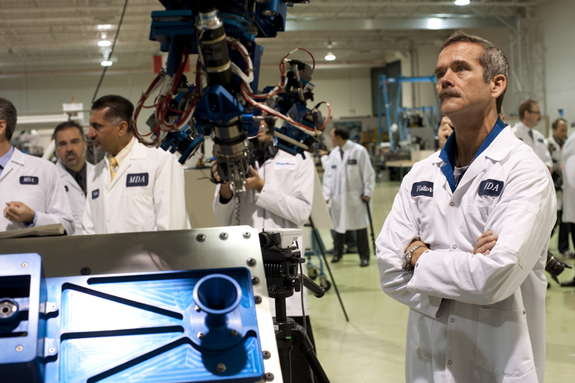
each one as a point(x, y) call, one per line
point(306, 348)
point(322, 249)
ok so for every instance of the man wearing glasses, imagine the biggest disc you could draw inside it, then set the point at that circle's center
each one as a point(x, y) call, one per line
point(529, 116)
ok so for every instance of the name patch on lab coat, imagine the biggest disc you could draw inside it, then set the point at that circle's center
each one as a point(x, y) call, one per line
point(334, 166)
point(28, 180)
point(352, 162)
point(285, 165)
point(66, 187)
point(491, 188)
point(138, 179)
point(423, 188)
point(95, 193)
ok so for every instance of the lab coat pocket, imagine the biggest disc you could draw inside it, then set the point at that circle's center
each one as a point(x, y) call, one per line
point(353, 198)
point(336, 202)
point(33, 198)
point(503, 346)
point(475, 219)
point(140, 214)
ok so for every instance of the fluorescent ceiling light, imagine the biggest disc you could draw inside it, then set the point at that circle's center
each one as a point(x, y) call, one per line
point(106, 63)
point(104, 43)
point(104, 27)
point(434, 23)
point(462, 2)
point(330, 56)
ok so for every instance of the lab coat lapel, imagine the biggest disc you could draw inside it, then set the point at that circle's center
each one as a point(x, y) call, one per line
point(16, 162)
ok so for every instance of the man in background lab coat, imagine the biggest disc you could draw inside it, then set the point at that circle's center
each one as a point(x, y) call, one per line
point(134, 188)
point(74, 170)
point(31, 193)
point(348, 184)
point(465, 244)
point(279, 194)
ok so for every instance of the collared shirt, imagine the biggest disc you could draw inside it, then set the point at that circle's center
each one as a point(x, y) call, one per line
point(121, 156)
point(448, 153)
point(80, 176)
point(5, 159)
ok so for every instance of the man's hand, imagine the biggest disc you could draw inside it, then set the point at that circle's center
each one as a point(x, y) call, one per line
point(417, 253)
point(16, 211)
point(255, 182)
point(225, 190)
point(365, 198)
point(444, 131)
point(485, 243)
point(322, 152)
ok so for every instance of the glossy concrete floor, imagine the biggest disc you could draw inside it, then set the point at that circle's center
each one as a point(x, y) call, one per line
point(371, 346)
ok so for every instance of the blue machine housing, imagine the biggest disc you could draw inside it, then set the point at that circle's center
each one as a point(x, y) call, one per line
point(177, 326)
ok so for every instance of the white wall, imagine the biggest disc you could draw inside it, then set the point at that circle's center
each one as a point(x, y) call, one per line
point(558, 33)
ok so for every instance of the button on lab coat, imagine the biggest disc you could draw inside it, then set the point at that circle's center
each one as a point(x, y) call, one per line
point(75, 193)
point(344, 182)
point(147, 194)
point(473, 318)
point(47, 197)
point(284, 202)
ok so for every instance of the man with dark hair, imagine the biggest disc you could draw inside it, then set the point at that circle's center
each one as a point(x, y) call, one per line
point(529, 116)
point(134, 188)
point(74, 170)
point(348, 184)
point(465, 243)
point(30, 190)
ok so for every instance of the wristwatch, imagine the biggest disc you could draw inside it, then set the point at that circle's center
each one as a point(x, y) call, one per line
point(406, 263)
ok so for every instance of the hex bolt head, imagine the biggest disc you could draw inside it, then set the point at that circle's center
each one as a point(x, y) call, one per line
point(255, 281)
point(247, 235)
point(201, 237)
point(51, 350)
point(201, 335)
point(221, 367)
point(267, 355)
point(258, 299)
point(268, 377)
point(19, 348)
point(224, 236)
point(234, 333)
point(24, 264)
point(251, 262)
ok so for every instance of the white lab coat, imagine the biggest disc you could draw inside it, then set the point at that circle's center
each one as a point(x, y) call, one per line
point(42, 192)
point(538, 143)
point(557, 157)
point(147, 194)
point(284, 202)
point(344, 182)
point(569, 180)
point(75, 193)
point(473, 318)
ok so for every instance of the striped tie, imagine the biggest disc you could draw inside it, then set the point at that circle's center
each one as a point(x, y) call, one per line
point(113, 167)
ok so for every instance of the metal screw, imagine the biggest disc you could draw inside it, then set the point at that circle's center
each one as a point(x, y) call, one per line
point(267, 355)
point(19, 348)
point(234, 333)
point(268, 377)
point(224, 236)
point(247, 235)
point(221, 367)
point(52, 350)
point(85, 271)
point(201, 335)
point(251, 262)
point(201, 237)
point(258, 299)
point(24, 264)
point(255, 281)
point(197, 308)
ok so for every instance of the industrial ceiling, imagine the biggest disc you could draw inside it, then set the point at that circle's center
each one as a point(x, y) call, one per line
point(61, 36)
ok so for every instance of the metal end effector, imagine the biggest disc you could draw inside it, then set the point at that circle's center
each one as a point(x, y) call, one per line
point(223, 101)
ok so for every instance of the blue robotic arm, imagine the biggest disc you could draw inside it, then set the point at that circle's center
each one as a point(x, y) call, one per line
point(223, 101)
